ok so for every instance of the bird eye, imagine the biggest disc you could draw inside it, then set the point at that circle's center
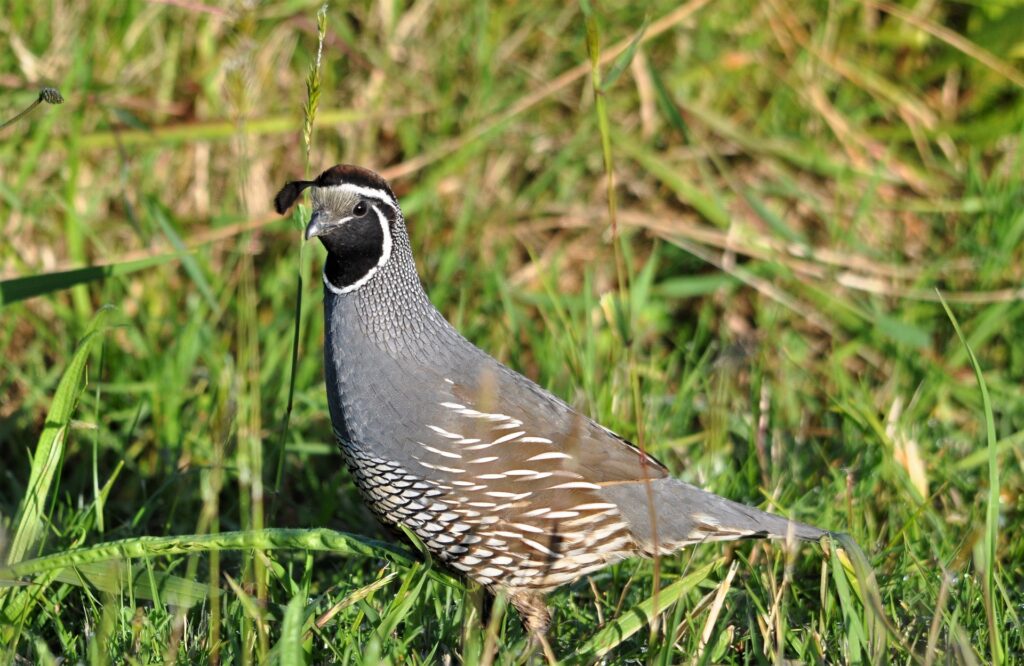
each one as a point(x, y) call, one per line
point(360, 209)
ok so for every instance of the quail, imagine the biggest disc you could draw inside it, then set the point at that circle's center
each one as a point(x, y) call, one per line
point(500, 479)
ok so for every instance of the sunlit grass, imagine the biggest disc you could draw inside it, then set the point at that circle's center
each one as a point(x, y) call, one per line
point(793, 182)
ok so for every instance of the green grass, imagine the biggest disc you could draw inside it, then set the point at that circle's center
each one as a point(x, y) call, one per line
point(797, 188)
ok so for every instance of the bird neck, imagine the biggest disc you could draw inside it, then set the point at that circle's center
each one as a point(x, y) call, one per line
point(391, 309)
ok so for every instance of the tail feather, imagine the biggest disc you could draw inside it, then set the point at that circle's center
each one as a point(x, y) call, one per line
point(687, 515)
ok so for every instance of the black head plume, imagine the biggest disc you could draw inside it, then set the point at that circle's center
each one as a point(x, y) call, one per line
point(289, 193)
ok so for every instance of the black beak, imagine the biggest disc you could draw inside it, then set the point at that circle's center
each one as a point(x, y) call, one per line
point(315, 227)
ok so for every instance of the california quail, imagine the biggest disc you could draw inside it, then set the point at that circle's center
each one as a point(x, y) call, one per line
point(500, 479)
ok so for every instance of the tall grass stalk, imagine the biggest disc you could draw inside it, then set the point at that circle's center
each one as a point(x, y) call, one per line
point(48, 95)
point(623, 307)
point(313, 87)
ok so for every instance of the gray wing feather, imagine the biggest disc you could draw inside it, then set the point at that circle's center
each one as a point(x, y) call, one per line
point(687, 515)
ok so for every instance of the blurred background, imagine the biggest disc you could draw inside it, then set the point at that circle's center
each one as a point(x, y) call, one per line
point(794, 183)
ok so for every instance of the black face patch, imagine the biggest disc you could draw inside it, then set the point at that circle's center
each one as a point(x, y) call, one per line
point(353, 250)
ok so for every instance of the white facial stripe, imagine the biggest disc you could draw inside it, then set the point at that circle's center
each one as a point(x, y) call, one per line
point(385, 254)
point(368, 192)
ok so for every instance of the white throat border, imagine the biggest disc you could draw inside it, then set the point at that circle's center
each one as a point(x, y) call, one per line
point(385, 253)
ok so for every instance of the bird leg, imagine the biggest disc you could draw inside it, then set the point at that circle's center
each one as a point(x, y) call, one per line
point(549, 654)
point(536, 617)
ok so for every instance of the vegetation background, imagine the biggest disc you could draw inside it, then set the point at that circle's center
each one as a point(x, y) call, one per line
point(795, 183)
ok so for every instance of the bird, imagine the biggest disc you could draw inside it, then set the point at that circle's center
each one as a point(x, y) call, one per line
point(501, 480)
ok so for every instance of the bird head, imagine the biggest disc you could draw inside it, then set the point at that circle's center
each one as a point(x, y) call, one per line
point(354, 216)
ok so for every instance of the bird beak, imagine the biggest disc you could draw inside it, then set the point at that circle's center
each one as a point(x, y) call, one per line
point(315, 226)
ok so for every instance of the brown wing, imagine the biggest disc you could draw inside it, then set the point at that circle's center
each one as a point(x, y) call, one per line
point(521, 474)
point(595, 453)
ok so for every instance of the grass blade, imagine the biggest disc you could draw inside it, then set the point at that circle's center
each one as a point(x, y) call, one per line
point(289, 648)
point(50, 447)
point(991, 540)
point(19, 289)
point(189, 262)
point(857, 636)
point(876, 625)
point(324, 540)
point(692, 195)
point(618, 630)
point(115, 578)
point(623, 59)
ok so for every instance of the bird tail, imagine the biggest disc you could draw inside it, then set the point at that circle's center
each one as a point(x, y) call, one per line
point(687, 515)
